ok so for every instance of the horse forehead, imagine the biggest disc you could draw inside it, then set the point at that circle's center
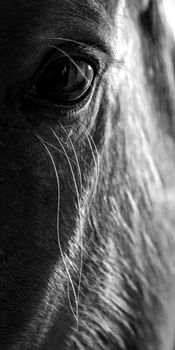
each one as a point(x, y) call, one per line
point(18, 14)
point(75, 8)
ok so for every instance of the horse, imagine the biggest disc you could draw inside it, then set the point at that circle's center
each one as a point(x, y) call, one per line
point(87, 184)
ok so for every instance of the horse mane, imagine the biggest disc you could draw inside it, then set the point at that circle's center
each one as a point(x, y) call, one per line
point(127, 268)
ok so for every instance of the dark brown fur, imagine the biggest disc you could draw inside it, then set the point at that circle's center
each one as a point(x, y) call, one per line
point(87, 193)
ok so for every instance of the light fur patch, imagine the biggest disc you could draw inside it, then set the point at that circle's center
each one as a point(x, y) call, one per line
point(168, 11)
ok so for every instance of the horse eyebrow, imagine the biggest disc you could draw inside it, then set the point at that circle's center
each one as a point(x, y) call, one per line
point(88, 38)
point(86, 22)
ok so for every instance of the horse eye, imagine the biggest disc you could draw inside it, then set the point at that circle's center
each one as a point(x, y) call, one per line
point(63, 81)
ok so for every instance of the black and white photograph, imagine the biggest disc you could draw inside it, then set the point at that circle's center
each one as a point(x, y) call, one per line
point(87, 174)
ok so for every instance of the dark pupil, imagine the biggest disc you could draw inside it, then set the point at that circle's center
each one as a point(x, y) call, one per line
point(55, 77)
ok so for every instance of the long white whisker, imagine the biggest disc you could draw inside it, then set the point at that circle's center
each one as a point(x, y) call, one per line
point(78, 199)
point(75, 154)
point(71, 60)
point(57, 149)
point(70, 165)
point(58, 234)
point(96, 161)
point(81, 234)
